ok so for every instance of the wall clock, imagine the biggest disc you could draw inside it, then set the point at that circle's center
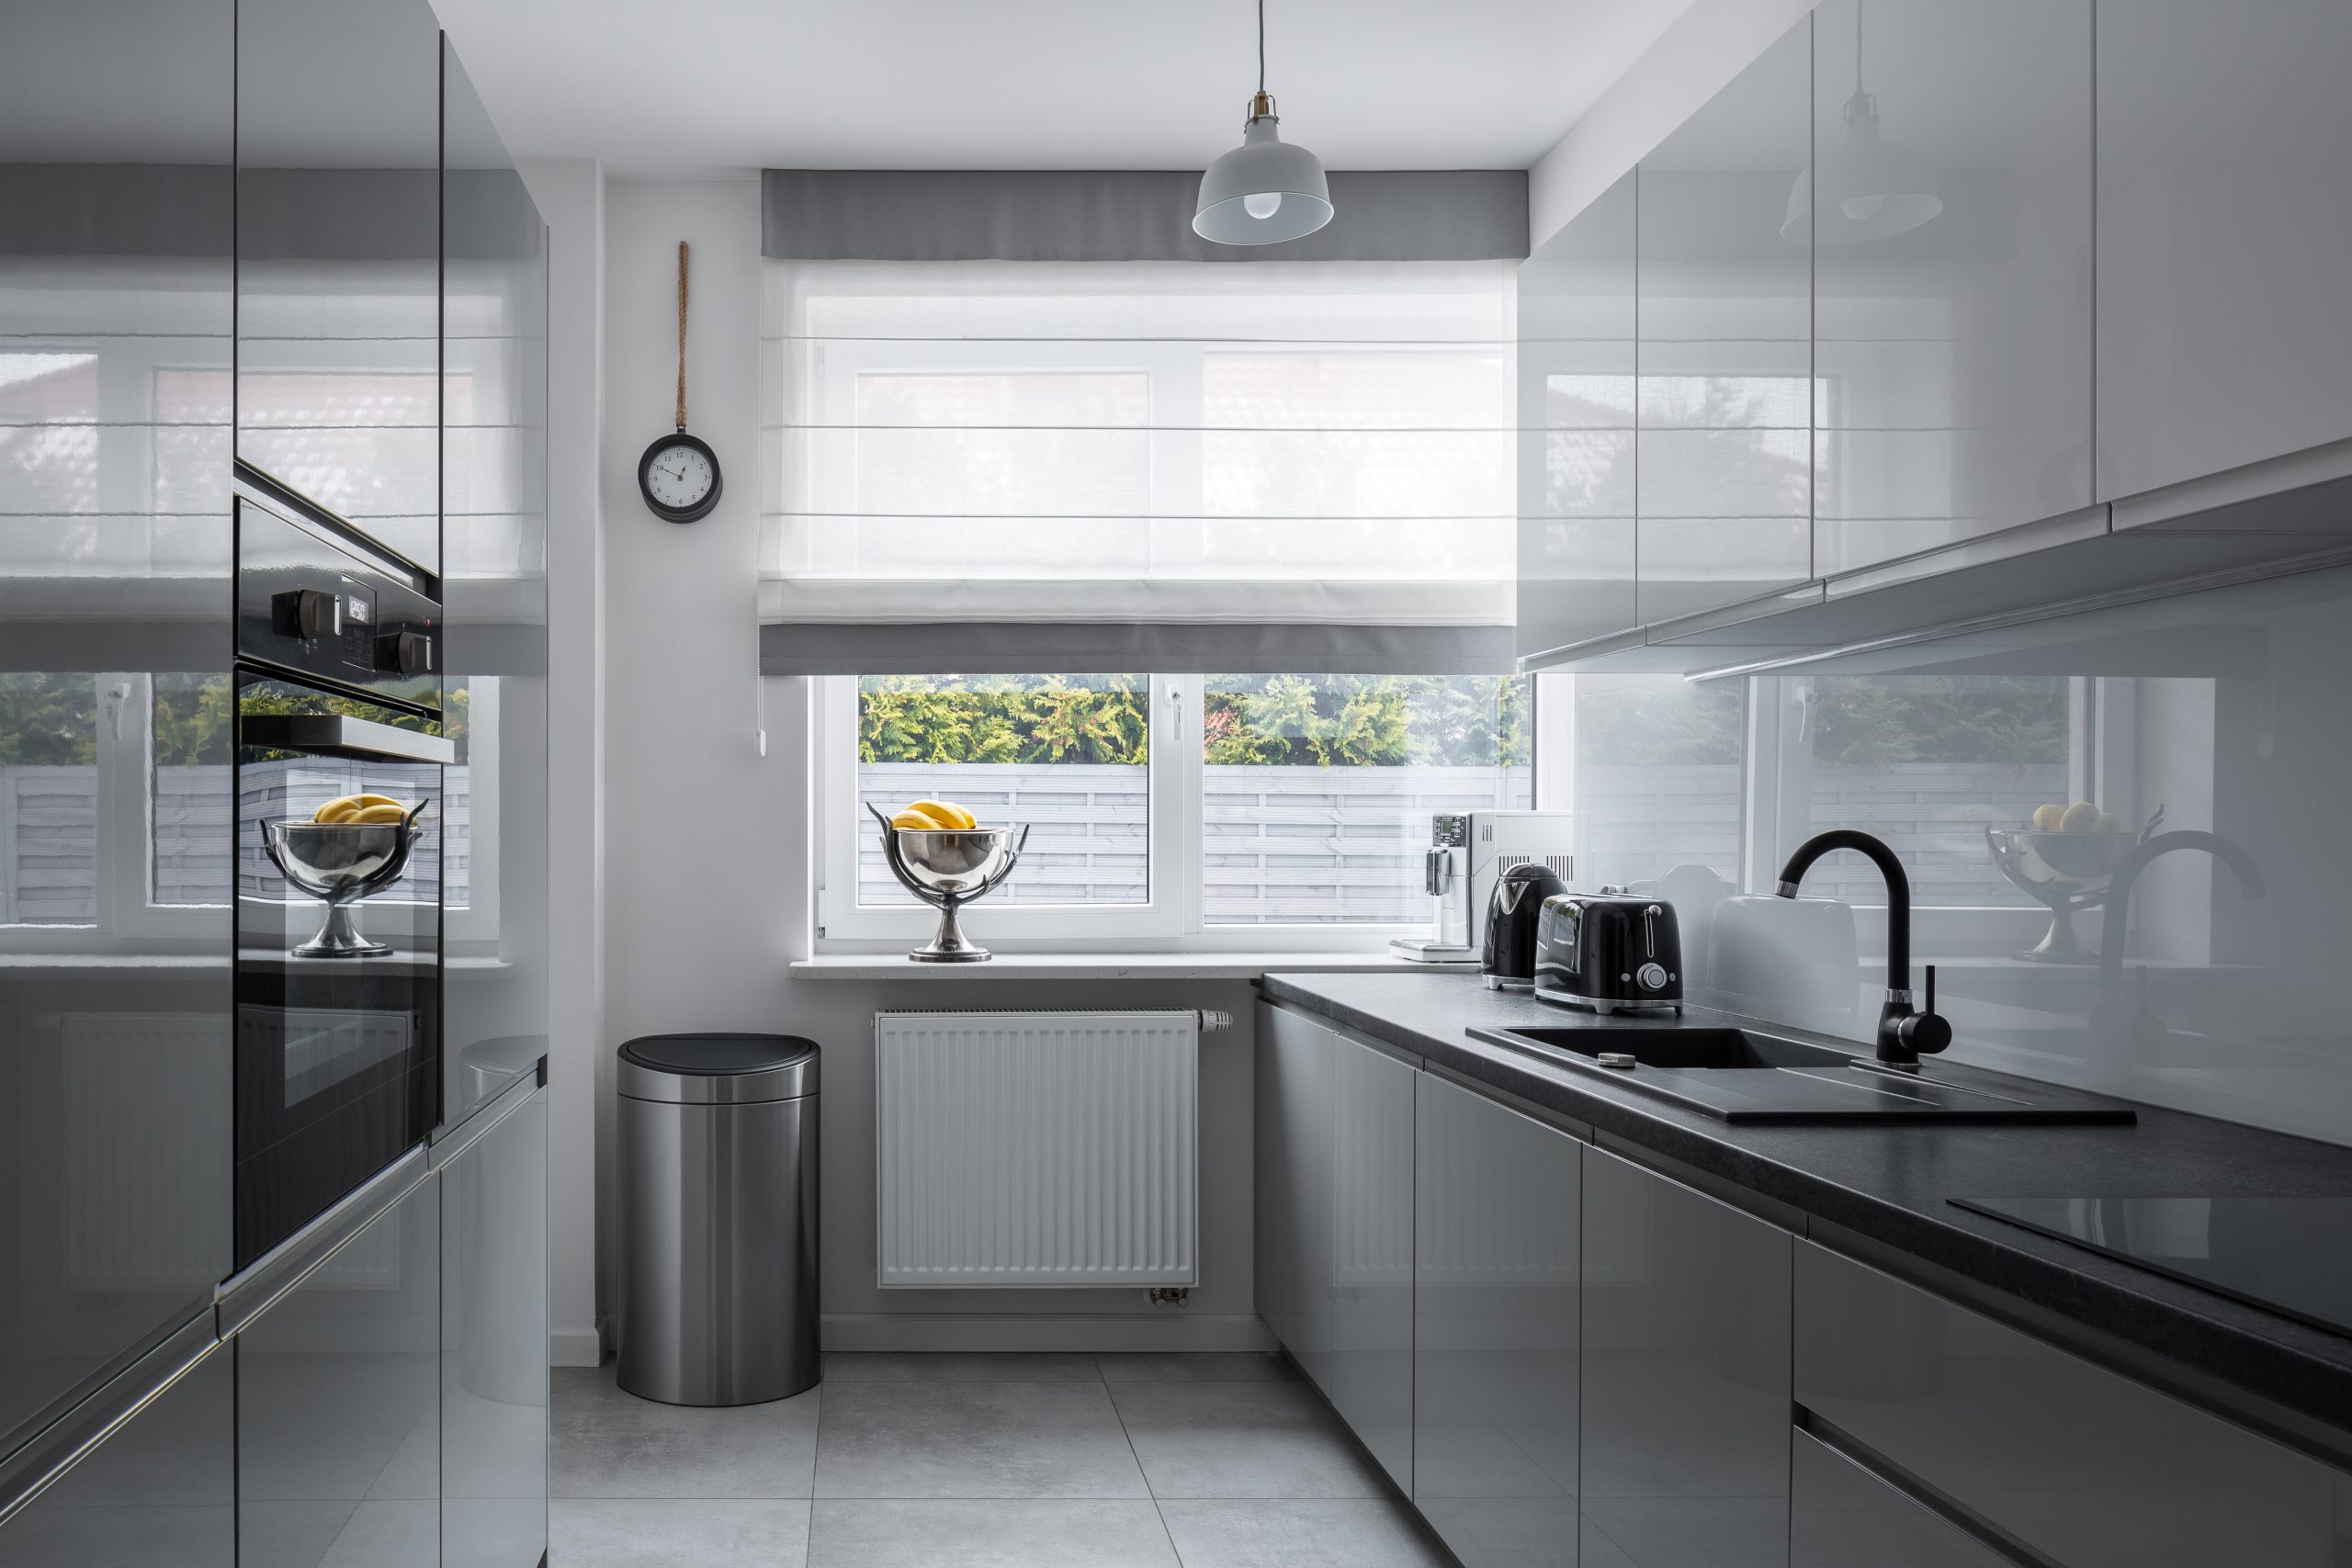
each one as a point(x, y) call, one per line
point(679, 474)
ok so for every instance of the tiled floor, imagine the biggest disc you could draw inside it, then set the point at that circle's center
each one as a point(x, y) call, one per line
point(979, 1461)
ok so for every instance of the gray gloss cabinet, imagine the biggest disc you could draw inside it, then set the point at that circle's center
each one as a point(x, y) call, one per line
point(2224, 217)
point(338, 1406)
point(1686, 1376)
point(1335, 1242)
point(1953, 361)
point(2084, 1466)
point(159, 1493)
point(1722, 418)
point(493, 1344)
point(1497, 1260)
point(1842, 1515)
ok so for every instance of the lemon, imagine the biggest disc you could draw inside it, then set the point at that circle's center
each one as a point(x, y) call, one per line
point(2047, 818)
point(2081, 818)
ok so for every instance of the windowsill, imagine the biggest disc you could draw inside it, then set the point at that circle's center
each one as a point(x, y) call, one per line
point(1108, 966)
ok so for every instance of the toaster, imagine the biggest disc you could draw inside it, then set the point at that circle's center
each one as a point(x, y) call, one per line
point(1608, 953)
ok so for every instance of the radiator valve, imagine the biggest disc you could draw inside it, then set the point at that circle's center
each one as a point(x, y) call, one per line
point(1171, 1295)
point(1215, 1019)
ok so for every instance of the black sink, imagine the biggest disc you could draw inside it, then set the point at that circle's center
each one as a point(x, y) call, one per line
point(1753, 1075)
point(1696, 1046)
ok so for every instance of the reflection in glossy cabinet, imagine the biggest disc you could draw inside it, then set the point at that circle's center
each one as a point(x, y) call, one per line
point(1575, 446)
point(1840, 1516)
point(1723, 416)
point(116, 319)
point(2224, 217)
point(338, 259)
point(1952, 382)
point(1686, 1376)
point(1293, 1185)
point(2082, 1465)
point(493, 484)
point(1370, 1285)
point(494, 1345)
point(159, 1493)
point(1494, 1313)
point(338, 1409)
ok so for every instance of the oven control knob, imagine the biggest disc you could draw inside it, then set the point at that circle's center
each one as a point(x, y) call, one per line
point(405, 653)
point(1651, 976)
point(306, 613)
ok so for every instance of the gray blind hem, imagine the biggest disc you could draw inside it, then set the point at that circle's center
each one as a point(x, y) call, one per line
point(1097, 215)
point(1129, 648)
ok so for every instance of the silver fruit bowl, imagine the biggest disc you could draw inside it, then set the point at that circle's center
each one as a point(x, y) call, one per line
point(947, 868)
point(340, 864)
point(2069, 871)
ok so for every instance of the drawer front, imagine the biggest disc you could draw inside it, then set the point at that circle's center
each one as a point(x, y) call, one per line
point(2082, 1465)
point(1840, 1516)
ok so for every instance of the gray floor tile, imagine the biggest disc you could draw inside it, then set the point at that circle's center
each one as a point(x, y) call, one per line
point(1237, 1440)
point(1322, 1533)
point(959, 1366)
point(994, 1532)
point(1196, 1366)
point(1004, 1439)
point(611, 1444)
point(677, 1533)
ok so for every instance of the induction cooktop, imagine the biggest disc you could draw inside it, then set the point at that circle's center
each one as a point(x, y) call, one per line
point(2291, 1254)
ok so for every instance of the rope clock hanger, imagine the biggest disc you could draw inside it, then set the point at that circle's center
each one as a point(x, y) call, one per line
point(679, 475)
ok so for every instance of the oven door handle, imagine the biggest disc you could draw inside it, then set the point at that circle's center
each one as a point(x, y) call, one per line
point(340, 735)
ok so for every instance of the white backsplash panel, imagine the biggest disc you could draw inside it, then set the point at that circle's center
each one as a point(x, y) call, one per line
point(2222, 713)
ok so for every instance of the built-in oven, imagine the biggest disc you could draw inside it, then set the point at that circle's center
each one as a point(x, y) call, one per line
point(341, 815)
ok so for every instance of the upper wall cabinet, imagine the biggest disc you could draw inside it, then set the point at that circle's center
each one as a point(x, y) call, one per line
point(339, 259)
point(1726, 346)
point(2225, 217)
point(1575, 402)
point(1950, 217)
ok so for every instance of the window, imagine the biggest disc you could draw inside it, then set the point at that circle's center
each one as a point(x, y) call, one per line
point(1193, 810)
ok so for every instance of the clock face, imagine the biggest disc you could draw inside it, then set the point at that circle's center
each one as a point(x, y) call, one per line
point(679, 477)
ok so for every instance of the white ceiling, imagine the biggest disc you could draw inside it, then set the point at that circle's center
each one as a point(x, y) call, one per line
point(680, 86)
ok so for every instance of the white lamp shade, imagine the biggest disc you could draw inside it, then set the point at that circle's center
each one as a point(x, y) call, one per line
point(1234, 191)
point(1864, 188)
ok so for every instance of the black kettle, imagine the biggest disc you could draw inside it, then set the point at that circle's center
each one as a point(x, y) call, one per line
point(1512, 912)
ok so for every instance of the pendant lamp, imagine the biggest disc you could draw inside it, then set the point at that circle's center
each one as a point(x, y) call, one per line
point(1266, 190)
point(1865, 187)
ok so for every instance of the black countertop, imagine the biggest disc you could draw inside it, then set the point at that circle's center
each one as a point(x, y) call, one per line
point(1891, 1184)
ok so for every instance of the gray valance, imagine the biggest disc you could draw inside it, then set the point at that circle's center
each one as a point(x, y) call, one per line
point(1108, 215)
point(1130, 648)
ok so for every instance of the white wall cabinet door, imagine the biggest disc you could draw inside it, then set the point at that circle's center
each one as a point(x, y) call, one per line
point(2224, 219)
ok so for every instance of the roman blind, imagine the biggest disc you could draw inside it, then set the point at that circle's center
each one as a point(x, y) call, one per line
point(1137, 466)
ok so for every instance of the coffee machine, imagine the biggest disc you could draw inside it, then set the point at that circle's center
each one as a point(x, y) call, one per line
point(1468, 850)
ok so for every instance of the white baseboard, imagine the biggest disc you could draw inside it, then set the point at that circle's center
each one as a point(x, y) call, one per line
point(575, 1347)
point(1045, 1331)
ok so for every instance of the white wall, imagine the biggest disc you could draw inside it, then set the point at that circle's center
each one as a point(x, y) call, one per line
point(707, 842)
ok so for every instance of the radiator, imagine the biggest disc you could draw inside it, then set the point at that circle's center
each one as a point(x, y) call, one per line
point(1036, 1148)
point(146, 1137)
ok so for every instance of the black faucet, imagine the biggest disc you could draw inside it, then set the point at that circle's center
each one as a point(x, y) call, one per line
point(2117, 920)
point(1905, 1034)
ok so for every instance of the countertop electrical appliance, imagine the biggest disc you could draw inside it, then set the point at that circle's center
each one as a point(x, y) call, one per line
point(1610, 953)
point(1468, 849)
point(338, 968)
point(1513, 912)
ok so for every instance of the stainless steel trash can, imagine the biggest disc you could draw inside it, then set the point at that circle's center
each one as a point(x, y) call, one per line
point(718, 1139)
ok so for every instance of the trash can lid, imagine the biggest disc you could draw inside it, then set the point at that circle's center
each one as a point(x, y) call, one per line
point(718, 1069)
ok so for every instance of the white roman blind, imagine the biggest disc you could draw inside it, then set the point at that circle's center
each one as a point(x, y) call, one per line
point(1128, 466)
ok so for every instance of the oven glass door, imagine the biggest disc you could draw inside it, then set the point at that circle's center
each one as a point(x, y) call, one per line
point(338, 951)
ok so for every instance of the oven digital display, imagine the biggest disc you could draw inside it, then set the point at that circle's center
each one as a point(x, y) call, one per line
point(358, 608)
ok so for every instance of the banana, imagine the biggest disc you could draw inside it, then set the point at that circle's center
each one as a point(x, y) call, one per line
point(380, 814)
point(377, 800)
point(946, 813)
point(340, 809)
point(914, 821)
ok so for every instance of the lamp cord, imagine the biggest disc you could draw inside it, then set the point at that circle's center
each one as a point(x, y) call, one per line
point(1262, 45)
point(681, 335)
point(1858, 43)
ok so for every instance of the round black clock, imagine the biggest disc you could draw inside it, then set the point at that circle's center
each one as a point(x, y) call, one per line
point(679, 478)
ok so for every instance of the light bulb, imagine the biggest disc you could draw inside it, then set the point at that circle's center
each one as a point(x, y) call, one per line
point(1263, 204)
